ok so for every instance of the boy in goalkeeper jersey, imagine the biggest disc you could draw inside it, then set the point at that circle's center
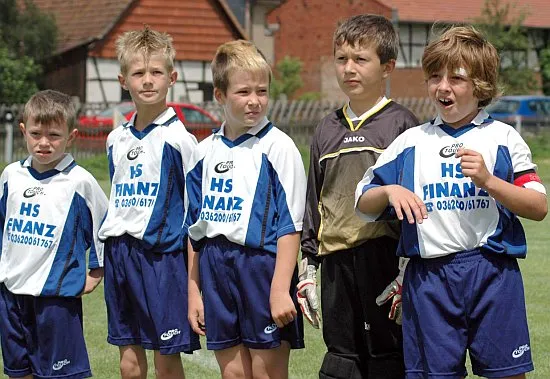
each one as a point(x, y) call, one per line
point(50, 213)
point(357, 258)
point(246, 191)
point(145, 267)
point(458, 184)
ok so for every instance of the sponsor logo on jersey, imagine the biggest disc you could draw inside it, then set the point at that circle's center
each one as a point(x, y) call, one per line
point(222, 167)
point(169, 334)
point(134, 153)
point(520, 350)
point(270, 328)
point(449, 151)
point(60, 364)
point(354, 139)
point(33, 191)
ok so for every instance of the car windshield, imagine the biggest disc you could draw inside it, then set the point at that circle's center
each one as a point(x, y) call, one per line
point(123, 108)
point(503, 106)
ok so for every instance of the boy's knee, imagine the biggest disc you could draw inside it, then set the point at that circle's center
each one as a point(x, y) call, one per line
point(131, 369)
point(339, 367)
point(168, 366)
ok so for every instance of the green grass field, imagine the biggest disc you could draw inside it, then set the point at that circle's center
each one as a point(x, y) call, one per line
point(305, 363)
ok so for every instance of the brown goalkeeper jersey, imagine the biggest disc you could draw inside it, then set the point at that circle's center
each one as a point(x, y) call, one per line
point(341, 152)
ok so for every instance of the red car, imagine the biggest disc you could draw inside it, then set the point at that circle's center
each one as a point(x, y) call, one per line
point(196, 120)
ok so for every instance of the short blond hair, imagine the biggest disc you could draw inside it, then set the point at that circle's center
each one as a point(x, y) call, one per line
point(145, 42)
point(237, 55)
point(50, 107)
point(465, 47)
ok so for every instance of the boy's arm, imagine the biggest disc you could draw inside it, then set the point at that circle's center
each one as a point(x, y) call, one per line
point(530, 203)
point(195, 304)
point(283, 310)
point(312, 217)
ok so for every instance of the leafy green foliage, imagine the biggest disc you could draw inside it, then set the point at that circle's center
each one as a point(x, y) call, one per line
point(27, 39)
point(18, 77)
point(502, 23)
point(287, 78)
point(544, 61)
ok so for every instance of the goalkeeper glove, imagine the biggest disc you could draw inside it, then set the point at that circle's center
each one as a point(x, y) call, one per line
point(307, 292)
point(393, 291)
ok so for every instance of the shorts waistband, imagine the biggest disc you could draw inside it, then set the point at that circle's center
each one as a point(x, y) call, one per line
point(458, 257)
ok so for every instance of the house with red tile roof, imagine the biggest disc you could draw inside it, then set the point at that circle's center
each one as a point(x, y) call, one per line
point(304, 29)
point(85, 63)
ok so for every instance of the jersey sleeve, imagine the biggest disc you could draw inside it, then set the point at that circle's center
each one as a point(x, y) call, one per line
point(3, 205)
point(97, 204)
point(312, 217)
point(193, 193)
point(386, 171)
point(290, 187)
point(525, 174)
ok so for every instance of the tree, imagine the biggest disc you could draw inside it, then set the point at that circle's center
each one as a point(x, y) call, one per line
point(544, 61)
point(502, 23)
point(27, 39)
point(287, 78)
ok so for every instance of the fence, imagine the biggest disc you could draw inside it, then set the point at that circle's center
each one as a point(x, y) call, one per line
point(296, 118)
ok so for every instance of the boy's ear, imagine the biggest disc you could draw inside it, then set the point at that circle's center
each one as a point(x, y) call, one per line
point(122, 81)
point(72, 136)
point(388, 68)
point(219, 95)
point(173, 78)
point(22, 128)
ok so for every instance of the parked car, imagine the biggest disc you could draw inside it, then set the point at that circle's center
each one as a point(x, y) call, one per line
point(532, 109)
point(197, 120)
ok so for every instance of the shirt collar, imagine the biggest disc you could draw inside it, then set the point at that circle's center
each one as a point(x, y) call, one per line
point(481, 118)
point(252, 131)
point(161, 119)
point(63, 164)
point(353, 117)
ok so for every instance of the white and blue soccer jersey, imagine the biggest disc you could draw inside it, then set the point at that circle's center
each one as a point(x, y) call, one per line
point(460, 215)
point(251, 190)
point(48, 222)
point(148, 182)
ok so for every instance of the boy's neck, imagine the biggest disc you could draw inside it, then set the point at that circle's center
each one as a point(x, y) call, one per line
point(360, 106)
point(146, 114)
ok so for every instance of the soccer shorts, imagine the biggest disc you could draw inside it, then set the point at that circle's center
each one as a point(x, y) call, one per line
point(42, 336)
point(471, 301)
point(146, 297)
point(236, 283)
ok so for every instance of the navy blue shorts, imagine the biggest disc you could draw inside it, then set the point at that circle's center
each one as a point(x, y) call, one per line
point(146, 297)
point(42, 336)
point(465, 301)
point(235, 283)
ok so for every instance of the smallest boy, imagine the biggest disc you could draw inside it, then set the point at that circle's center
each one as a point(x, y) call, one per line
point(50, 213)
point(459, 183)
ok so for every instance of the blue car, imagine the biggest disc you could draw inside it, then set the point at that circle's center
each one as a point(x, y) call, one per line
point(533, 110)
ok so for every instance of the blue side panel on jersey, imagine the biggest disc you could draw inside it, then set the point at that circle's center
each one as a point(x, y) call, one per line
point(285, 223)
point(262, 225)
point(3, 207)
point(509, 236)
point(193, 185)
point(68, 273)
point(111, 164)
point(408, 242)
point(163, 233)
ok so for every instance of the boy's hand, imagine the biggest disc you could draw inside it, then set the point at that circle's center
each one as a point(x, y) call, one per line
point(473, 166)
point(393, 291)
point(283, 310)
point(307, 293)
point(196, 313)
point(93, 278)
point(406, 204)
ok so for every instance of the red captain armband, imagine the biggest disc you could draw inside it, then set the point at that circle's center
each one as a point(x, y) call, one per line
point(526, 178)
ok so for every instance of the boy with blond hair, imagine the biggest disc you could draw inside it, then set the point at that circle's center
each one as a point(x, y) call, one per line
point(357, 258)
point(246, 192)
point(145, 269)
point(458, 184)
point(50, 213)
